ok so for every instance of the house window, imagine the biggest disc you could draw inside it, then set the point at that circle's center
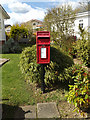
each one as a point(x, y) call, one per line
point(34, 23)
point(80, 20)
point(81, 25)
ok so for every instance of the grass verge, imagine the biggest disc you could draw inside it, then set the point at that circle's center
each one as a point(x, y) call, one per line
point(14, 89)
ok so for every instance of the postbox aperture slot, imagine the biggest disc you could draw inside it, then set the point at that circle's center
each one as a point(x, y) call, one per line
point(43, 38)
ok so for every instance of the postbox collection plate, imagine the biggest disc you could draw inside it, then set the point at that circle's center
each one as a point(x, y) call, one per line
point(43, 52)
point(43, 47)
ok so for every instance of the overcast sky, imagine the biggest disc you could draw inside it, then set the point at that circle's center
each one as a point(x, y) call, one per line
point(25, 10)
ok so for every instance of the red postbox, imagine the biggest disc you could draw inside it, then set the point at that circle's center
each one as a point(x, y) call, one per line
point(43, 47)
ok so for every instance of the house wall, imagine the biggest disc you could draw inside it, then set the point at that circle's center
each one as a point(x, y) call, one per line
point(89, 22)
point(2, 28)
point(34, 24)
point(81, 18)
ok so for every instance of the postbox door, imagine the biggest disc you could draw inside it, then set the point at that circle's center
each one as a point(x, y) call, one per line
point(43, 54)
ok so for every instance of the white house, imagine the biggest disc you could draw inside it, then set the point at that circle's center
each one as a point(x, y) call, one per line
point(83, 20)
point(3, 15)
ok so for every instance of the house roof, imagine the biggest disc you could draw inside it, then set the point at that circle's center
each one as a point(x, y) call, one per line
point(35, 20)
point(81, 14)
point(5, 14)
point(7, 26)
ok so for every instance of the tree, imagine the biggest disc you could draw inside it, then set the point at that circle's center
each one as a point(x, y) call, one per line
point(83, 6)
point(28, 26)
point(60, 21)
point(18, 31)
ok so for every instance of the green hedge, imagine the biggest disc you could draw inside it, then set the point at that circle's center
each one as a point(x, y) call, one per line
point(11, 47)
point(32, 70)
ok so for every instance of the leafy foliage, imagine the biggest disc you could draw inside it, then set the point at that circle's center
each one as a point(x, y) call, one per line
point(32, 41)
point(32, 70)
point(18, 32)
point(28, 26)
point(11, 47)
point(79, 91)
point(82, 47)
point(7, 36)
point(58, 22)
point(83, 6)
point(69, 48)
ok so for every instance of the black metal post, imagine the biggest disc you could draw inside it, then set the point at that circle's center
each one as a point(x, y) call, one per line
point(42, 78)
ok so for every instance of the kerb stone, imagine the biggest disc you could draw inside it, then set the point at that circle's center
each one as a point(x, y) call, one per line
point(47, 110)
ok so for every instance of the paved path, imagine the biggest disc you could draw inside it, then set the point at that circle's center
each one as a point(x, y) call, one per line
point(3, 61)
point(47, 110)
point(42, 110)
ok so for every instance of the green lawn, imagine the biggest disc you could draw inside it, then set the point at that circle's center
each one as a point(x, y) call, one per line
point(15, 91)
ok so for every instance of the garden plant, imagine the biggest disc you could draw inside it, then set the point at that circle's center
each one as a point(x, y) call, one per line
point(81, 47)
point(32, 70)
point(79, 90)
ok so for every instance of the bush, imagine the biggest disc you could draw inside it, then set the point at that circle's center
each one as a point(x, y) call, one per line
point(82, 50)
point(79, 91)
point(11, 47)
point(7, 36)
point(32, 70)
point(18, 31)
point(68, 46)
point(32, 41)
point(82, 47)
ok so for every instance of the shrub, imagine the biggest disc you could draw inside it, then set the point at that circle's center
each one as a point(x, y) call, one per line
point(32, 70)
point(82, 47)
point(18, 31)
point(79, 91)
point(68, 46)
point(11, 47)
point(7, 36)
point(32, 41)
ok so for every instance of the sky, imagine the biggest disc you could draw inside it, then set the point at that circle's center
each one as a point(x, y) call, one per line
point(25, 10)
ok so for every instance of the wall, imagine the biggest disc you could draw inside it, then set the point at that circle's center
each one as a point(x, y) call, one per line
point(0, 26)
point(36, 23)
point(2, 29)
point(82, 18)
